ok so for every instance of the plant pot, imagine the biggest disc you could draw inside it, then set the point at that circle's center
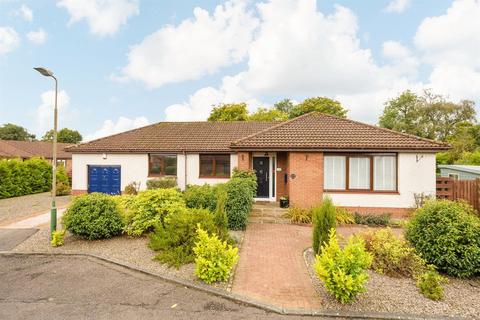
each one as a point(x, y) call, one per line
point(283, 203)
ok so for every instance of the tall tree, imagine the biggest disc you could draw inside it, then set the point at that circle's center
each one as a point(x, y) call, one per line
point(264, 114)
point(286, 105)
point(10, 131)
point(229, 112)
point(65, 135)
point(320, 104)
point(402, 114)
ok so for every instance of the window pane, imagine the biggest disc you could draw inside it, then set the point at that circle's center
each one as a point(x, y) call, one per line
point(385, 174)
point(156, 164)
point(222, 165)
point(161, 164)
point(334, 174)
point(206, 165)
point(171, 165)
point(359, 173)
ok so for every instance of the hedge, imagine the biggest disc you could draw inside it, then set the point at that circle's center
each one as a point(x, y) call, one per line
point(240, 191)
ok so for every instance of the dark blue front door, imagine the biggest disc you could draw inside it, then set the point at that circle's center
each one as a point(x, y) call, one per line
point(105, 179)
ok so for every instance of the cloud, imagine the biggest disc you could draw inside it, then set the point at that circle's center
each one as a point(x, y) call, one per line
point(196, 47)
point(9, 39)
point(37, 37)
point(403, 62)
point(397, 6)
point(25, 12)
point(44, 113)
point(104, 17)
point(123, 124)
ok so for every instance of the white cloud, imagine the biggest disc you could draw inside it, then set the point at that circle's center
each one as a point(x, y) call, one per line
point(397, 6)
point(196, 47)
point(403, 63)
point(44, 113)
point(25, 12)
point(104, 17)
point(123, 124)
point(9, 39)
point(37, 37)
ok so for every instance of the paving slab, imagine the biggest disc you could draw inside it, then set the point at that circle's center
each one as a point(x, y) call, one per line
point(10, 238)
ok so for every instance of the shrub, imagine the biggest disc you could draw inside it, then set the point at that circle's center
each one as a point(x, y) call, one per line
point(161, 183)
point(373, 219)
point(393, 256)
point(220, 218)
point(131, 188)
point(93, 216)
point(175, 238)
point(343, 271)
point(249, 176)
point(57, 238)
point(63, 189)
point(323, 216)
point(299, 215)
point(201, 197)
point(238, 203)
point(149, 208)
point(447, 235)
point(343, 216)
point(430, 285)
point(213, 258)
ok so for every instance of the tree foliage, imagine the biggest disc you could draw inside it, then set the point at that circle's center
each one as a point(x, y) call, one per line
point(229, 112)
point(10, 131)
point(320, 104)
point(264, 114)
point(285, 105)
point(65, 135)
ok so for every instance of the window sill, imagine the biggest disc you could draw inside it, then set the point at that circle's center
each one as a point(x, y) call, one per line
point(363, 192)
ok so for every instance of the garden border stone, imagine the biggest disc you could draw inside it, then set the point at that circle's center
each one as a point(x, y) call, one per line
point(235, 297)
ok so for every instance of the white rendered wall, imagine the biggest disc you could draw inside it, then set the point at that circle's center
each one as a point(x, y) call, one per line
point(413, 177)
point(134, 168)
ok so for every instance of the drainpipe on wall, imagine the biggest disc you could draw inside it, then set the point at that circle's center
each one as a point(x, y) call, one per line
point(185, 169)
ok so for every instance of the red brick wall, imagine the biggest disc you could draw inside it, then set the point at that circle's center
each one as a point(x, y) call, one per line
point(282, 162)
point(78, 192)
point(306, 189)
point(244, 160)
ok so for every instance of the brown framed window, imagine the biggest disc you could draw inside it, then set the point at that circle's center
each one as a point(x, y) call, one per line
point(215, 165)
point(360, 172)
point(162, 165)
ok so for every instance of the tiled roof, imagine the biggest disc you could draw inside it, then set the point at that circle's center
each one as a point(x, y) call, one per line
point(176, 137)
point(325, 132)
point(28, 149)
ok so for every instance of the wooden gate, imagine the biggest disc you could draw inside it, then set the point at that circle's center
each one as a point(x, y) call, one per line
point(453, 189)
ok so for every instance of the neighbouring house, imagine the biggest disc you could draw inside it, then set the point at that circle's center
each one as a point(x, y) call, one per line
point(361, 167)
point(44, 149)
point(460, 172)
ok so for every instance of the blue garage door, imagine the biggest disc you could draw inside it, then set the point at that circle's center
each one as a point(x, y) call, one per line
point(105, 179)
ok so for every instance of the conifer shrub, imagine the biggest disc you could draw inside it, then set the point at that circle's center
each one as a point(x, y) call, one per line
point(324, 219)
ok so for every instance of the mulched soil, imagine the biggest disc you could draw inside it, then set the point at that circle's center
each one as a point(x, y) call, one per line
point(400, 295)
point(133, 251)
point(19, 208)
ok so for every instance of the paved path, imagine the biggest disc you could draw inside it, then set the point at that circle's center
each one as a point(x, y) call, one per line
point(34, 221)
point(272, 268)
point(10, 238)
point(58, 287)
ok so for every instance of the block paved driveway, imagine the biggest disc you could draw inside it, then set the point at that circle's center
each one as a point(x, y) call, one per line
point(272, 269)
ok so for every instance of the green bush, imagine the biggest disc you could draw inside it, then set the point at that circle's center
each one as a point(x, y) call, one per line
point(161, 183)
point(57, 238)
point(175, 238)
point(131, 189)
point(201, 197)
point(240, 191)
point(324, 219)
point(393, 256)
point(343, 270)
point(343, 216)
point(447, 235)
point(93, 216)
point(63, 184)
point(220, 218)
point(430, 285)
point(149, 208)
point(214, 260)
point(373, 219)
point(299, 215)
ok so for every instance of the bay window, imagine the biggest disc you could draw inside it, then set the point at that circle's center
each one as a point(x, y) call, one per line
point(360, 172)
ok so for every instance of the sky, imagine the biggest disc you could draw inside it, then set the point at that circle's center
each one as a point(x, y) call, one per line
point(122, 64)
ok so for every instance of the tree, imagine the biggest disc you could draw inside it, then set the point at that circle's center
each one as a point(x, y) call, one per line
point(320, 104)
point(401, 114)
point(286, 105)
point(10, 131)
point(229, 112)
point(65, 135)
point(264, 114)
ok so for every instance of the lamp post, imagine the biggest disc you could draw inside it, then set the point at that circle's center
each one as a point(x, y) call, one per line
point(53, 212)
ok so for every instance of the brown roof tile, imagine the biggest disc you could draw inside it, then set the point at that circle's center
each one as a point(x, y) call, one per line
point(325, 132)
point(28, 149)
point(175, 137)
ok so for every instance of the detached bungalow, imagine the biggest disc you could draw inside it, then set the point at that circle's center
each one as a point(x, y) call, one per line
point(361, 167)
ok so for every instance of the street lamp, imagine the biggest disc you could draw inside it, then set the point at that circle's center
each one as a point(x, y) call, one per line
point(53, 212)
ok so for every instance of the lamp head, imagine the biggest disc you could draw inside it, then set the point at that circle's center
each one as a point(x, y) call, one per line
point(44, 71)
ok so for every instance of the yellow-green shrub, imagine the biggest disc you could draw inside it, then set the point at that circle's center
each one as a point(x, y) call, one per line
point(57, 238)
point(214, 259)
point(299, 215)
point(323, 216)
point(343, 270)
point(430, 285)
